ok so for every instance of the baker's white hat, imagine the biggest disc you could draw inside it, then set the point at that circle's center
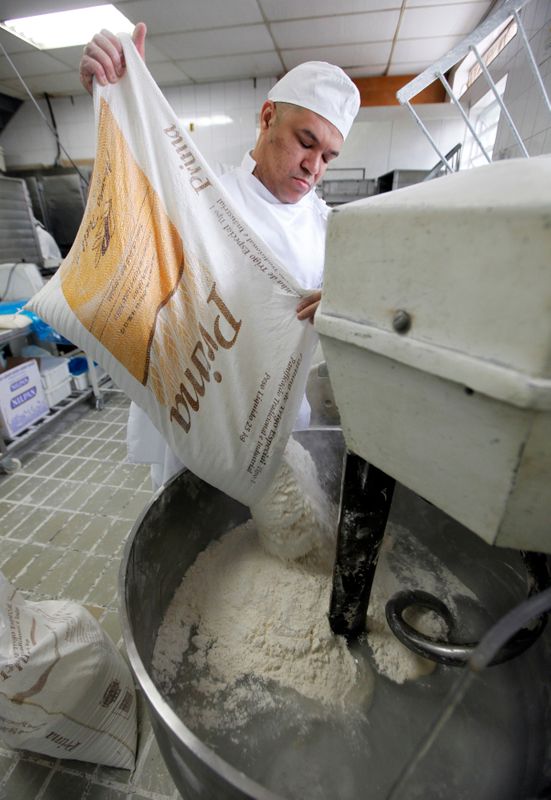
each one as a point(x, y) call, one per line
point(323, 88)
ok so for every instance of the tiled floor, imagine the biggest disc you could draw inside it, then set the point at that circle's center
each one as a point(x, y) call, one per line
point(64, 517)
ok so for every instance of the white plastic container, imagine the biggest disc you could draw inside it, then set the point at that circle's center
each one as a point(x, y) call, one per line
point(55, 394)
point(53, 371)
point(20, 282)
point(452, 398)
point(80, 382)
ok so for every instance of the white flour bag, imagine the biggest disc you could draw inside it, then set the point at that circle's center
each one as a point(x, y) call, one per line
point(65, 690)
point(178, 299)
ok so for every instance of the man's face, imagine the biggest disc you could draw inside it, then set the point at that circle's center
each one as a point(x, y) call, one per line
point(293, 150)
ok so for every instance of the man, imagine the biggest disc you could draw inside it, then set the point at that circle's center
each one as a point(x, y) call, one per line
point(303, 124)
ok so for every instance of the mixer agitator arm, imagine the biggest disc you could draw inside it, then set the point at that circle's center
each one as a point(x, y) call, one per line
point(457, 654)
point(366, 496)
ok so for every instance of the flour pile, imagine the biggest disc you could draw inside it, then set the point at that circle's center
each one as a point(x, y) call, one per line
point(295, 517)
point(252, 610)
point(242, 611)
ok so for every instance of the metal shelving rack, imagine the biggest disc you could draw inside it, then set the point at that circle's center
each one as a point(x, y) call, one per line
point(9, 463)
point(470, 45)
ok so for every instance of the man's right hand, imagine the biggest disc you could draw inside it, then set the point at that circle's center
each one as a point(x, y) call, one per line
point(103, 57)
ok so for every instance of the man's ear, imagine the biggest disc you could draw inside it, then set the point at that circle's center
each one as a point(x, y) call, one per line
point(267, 115)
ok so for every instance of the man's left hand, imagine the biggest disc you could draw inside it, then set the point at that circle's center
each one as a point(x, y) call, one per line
point(308, 306)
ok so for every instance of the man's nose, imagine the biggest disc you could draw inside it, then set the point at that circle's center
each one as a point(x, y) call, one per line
point(312, 162)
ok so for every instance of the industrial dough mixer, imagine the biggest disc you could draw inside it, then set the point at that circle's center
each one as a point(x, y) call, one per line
point(457, 411)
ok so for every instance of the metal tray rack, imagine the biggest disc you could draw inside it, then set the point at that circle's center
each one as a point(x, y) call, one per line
point(470, 45)
point(95, 393)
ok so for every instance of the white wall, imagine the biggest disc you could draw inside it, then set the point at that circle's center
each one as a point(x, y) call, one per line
point(383, 139)
point(26, 140)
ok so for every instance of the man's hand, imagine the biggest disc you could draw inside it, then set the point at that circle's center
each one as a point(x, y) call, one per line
point(103, 57)
point(308, 306)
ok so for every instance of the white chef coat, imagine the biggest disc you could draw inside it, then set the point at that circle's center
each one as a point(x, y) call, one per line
point(295, 232)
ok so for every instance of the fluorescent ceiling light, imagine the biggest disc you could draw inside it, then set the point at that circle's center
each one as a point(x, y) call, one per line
point(204, 122)
point(67, 28)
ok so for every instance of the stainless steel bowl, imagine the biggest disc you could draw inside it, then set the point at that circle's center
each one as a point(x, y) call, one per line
point(494, 746)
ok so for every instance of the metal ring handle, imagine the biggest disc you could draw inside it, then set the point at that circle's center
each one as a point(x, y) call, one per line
point(452, 654)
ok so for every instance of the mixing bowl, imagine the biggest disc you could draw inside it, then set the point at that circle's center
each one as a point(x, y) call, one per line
point(494, 746)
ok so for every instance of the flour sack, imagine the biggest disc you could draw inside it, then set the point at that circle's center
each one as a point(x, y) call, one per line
point(177, 298)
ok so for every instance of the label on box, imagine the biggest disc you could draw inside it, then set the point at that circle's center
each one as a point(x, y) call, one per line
point(22, 399)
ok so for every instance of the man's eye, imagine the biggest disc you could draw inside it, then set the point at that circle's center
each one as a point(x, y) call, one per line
point(306, 145)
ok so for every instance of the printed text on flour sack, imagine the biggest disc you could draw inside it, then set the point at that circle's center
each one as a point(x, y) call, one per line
point(187, 399)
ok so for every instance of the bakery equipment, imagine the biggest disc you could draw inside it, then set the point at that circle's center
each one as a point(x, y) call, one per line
point(505, 714)
point(435, 328)
point(434, 323)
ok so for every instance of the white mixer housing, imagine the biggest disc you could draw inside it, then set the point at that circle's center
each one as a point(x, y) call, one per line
point(435, 323)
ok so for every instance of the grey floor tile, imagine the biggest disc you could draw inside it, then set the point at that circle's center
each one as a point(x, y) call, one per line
point(33, 574)
point(90, 448)
point(24, 781)
point(61, 573)
point(76, 446)
point(104, 592)
point(79, 586)
point(7, 550)
point(15, 490)
point(4, 506)
point(53, 526)
point(154, 775)
point(83, 471)
point(76, 497)
point(47, 491)
point(101, 792)
point(97, 499)
point(20, 559)
point(30, 524)
point(74, 553)
point(66, 786)
point(116, 501)
point(36, 463)
point(112, 541)
point(16, 514)
point(59, 444)
point(67, 468)
point(104, 472)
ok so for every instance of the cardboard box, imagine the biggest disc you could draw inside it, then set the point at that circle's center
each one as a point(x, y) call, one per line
point(22, 399)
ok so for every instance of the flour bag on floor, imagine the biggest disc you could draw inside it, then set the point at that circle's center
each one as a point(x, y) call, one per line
point(178, 299)
point(65, 690)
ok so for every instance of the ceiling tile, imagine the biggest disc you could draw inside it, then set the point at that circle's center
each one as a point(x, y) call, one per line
point(356, 55)
point(412, 3)
point(70, 56)
point(14, 89)
point(291, 9)
point(217, 35)
point(168, 17)
point(366, 71)
point(13, 44)
point(355, 28)
point(35, 63)
point(167, 72)
point(218, 42)
point(154, 53)
point(241, 66)
point(407, 68)
point(65, 83)
point(423, 50)
point(448, 20)
point(13, 9)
